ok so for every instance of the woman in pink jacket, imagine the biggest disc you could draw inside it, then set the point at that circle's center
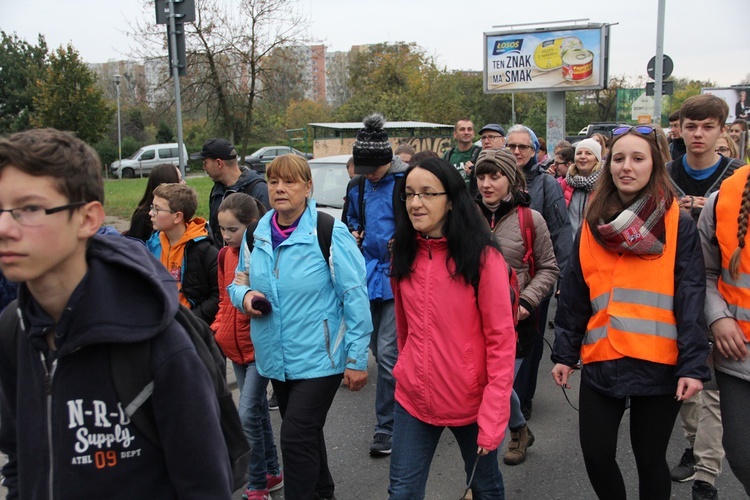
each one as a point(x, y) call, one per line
point(455, 330)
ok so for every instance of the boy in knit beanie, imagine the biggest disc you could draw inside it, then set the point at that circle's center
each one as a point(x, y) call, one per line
point(370, 217)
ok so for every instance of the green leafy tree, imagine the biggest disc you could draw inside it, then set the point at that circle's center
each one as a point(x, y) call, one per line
point(70, 99)
point(164, 133)
point(684, 88)
point(300, 113)
point(21, 66)
point(392, 78)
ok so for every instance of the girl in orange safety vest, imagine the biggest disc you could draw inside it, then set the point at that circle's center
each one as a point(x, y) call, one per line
point(723, 239)
point(641, 335)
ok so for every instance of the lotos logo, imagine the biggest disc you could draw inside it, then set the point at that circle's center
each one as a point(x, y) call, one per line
point(503, 46)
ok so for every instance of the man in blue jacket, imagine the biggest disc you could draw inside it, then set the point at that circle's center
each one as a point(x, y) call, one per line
point(372, 222)
point(80, 295)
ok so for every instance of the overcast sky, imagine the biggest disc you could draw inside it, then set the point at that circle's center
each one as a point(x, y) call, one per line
point(706, 39)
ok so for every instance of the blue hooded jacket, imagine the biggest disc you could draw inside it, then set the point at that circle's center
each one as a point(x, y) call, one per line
point(320, 320)
point(379, 225)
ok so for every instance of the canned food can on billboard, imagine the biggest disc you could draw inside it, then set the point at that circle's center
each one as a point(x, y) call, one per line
point(578, 65)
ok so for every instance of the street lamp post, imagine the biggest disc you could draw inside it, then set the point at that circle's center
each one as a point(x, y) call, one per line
point(119, 133)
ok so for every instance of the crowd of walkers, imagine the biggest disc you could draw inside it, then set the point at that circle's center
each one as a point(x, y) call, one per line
point(442, 267)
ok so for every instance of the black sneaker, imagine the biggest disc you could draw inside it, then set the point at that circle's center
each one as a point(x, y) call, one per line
point(685, 470)
point(381, 445)
point(273, 404)
point(704, 491)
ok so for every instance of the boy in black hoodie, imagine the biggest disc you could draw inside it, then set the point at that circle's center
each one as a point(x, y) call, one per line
point(61, 423)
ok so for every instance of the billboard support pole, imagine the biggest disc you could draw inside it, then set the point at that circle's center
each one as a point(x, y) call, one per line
point(659, 66)
point(555, 119)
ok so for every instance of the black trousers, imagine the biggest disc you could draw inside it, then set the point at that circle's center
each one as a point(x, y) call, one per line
point(651, 421)
point(304, 406)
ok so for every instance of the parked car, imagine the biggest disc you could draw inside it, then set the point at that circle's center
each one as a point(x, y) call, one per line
point(146, 158)
point(330, 179)
point(258, 160)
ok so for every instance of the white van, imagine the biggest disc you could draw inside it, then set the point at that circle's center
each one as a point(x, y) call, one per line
point(146, 158)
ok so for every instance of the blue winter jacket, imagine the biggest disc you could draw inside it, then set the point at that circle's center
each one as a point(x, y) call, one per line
point(320, 320)
point(379, 225)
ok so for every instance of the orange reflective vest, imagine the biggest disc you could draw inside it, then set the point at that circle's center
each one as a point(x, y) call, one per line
point(735, 292)
point(632, 300)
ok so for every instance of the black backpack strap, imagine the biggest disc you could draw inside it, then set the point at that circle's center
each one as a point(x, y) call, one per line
point(9, 326)
point(249, 235)
point(361, 201)
point(475, 154)
point(325, 234)
point(134, 384)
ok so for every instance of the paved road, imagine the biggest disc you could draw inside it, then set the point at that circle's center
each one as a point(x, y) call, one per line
point(554, 468)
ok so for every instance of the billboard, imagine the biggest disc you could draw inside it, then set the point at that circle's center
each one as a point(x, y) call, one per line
point(560, 59)
point(737, 98)
point(634, 107)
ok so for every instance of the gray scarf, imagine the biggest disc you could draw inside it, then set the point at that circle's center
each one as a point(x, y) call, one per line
point(581, 182)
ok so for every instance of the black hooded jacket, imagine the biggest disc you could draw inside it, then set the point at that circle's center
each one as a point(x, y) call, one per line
point(62, 425)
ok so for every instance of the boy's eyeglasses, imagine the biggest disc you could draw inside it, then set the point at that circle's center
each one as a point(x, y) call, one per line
point(422, 196)
point(156, 210)
point(33, 215)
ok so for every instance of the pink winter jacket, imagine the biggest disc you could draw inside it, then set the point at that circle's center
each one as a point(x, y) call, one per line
point(455, 363)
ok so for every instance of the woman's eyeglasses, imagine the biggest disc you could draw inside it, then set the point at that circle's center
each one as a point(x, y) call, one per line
point(522, 147)
point(422, 196)
point(723, 150)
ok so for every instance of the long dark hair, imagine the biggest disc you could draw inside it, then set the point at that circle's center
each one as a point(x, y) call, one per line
point(465, 230)
point(605, 203)
point(164, 173)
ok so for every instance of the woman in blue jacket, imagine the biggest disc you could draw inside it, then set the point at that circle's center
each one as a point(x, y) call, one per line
point(318, 325)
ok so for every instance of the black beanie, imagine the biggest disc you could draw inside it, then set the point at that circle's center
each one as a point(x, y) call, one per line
point(372, 148)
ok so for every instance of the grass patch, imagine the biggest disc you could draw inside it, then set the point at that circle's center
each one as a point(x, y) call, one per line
point(121, 196)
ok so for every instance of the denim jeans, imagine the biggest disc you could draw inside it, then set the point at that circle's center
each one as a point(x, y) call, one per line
point(414, 444)
point(256, 422)
point(517, 419)
point(384, 347)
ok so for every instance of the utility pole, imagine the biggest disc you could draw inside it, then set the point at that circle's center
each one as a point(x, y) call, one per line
point(659, 67)
point(175, 64)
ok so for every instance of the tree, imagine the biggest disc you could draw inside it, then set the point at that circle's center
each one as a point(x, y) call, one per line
point(164, 132)
point(21, 66)
point(70, 99)
point(684, 88)
point(300, 113)
point(228, 46)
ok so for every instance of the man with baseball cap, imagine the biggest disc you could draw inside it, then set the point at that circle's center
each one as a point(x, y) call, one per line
point(220, 163)
point(371, 219)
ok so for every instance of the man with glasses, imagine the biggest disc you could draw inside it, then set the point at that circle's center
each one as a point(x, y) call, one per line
point(220, 163)
point(547, 199)
point(695, 176)
point(464, 153)
point(81, 298)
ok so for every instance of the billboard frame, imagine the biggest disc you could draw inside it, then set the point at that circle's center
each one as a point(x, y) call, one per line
point(603, 66)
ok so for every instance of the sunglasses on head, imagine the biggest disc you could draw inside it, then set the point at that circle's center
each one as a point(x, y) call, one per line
point(641, 129)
